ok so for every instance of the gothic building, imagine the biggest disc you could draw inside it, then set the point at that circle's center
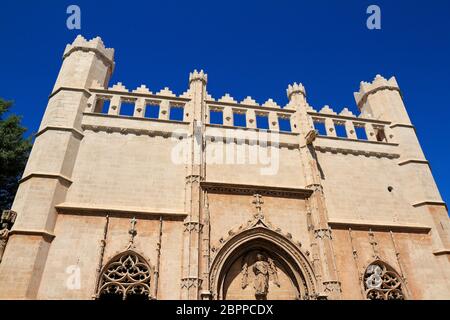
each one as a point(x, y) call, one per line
point(131, 194)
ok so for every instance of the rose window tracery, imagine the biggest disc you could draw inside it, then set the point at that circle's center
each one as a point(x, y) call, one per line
point(380, 283)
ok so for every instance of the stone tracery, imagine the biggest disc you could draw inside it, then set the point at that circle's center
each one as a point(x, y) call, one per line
point(382, 283)
point(127, 275)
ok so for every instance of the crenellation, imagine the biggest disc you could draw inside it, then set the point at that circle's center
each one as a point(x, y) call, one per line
point(295, 88)
point(166, 92)
point(250, 101)
point(270, 104)
point(227, 99)
point(95, 44)
point(346, 112)
point(198, 75)
point(142, 89)
point(327, 110)
point(118, 87)
point(379, 83)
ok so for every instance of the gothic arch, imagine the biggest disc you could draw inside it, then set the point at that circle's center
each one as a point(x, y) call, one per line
point(382, 282)
point(260, 238)
point(127, 275)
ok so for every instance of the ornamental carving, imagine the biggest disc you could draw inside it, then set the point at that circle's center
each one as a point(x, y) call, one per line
point(7, 220)
point(191, 282)
point(380, 283)
point(126, 276)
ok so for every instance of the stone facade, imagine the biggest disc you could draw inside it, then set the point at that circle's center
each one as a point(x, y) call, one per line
point(138, 205)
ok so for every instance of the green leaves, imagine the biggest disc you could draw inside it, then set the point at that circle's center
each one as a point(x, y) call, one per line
point(14, 152)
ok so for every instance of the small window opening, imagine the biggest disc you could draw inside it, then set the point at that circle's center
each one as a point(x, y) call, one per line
point(127, 108)
point(360, 131)
point(215, 116)
point(176, 113)
point(239, 119)
point(152, 111)
point(284, 124)
point(320, 127)
point(262, 121)
point(340, 129)
point(380, 135)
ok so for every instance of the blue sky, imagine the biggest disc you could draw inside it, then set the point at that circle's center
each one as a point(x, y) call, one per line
point(247, 48)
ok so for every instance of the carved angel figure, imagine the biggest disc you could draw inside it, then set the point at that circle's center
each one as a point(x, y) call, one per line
point(264, 270)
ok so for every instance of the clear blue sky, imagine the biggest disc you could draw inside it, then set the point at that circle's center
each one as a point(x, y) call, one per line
point(247, 48)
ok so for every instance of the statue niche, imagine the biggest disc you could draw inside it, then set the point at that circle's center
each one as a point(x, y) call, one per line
point(264, 269)
point(256, 275)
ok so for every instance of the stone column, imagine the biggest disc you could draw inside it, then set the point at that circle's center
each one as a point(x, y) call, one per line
point(191, 281)
point(320, 232)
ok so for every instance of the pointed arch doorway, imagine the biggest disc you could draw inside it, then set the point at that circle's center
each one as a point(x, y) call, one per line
point(261, 264)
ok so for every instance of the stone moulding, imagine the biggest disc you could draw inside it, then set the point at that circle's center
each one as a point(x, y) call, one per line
point(76, 133)
point(359, 141)
point(47, 235)
point(137, 132)
point(357, 152)
point(215, 104)
point(135, 94)
point(46, 175)
point(441, 252)
point(382, 226)
point(347, 117)
point(84, 209)
point(430, 203)
point(244, 189)
point(422, 161)
point(75, 89)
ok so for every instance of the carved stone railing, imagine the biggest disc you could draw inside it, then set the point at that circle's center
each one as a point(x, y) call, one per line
point(141, 98)
point(251, 109)
point(375, 130)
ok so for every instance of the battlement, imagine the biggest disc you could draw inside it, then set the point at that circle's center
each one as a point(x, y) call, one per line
point(245, 114)
point(196, 75)
point(379, 83)
point(295, 88)
point(96, 45)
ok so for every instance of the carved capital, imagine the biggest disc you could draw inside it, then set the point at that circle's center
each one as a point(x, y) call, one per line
point(189, 282)
point(193, 179)
point(193, 226)
point(331, 287)
point(315, 187)
point(322, 233)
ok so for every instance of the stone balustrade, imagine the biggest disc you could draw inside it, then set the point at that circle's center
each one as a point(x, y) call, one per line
point(268, 116)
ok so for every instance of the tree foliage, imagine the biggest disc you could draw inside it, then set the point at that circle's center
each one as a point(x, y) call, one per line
point(14, 152)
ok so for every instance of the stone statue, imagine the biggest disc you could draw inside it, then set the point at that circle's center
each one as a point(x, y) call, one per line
point(7, 219)
point(264, 270)
point(261, 271)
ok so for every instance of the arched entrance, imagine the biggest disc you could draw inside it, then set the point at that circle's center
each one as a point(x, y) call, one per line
point(260, 263)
